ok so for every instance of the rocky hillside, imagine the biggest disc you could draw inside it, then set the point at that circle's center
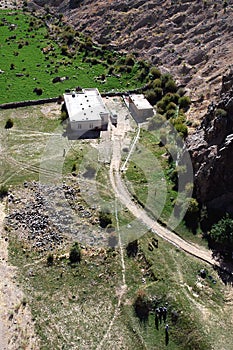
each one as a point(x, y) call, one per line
point(191, 39)
point(211, 148)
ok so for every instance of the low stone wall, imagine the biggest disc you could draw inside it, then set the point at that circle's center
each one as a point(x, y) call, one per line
point(11, 105)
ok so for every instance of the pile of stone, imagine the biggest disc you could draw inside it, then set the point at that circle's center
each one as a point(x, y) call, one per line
point(49, 214)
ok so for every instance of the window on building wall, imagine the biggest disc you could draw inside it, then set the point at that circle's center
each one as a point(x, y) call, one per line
point(91, 126)
point(79, 126)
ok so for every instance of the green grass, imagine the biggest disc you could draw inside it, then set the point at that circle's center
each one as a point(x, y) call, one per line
point(74, 306)
point(34, 147)
point(148, 177)
point(39, 69)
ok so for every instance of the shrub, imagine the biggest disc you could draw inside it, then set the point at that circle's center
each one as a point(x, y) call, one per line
point(142, 306)
point(38, 91)
point(155, 73)
point(129, 61)
point(222, 232)
point(169, 97)
point(157, 83)
point(180, 127)
point(3, 191)
point(9, 123)
point(171, 113)
point(184, 102)
point(50, 259)
point(75, 254)
point(170, 86)
point(64, 50)
point(192, 214)
point(152, 97)
point(105, 219)
point(171, 105)
point(220, 112)
point(165, 78)
point(132, 248)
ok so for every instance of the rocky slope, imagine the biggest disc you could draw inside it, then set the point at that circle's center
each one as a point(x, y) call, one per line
point(211, 149)
point(192, 39)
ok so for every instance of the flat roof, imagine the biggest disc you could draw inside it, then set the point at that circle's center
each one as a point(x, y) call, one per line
point(140, 101)
point(86, 105)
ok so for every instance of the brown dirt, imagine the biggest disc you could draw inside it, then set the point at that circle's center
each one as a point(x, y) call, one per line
point(16, 325)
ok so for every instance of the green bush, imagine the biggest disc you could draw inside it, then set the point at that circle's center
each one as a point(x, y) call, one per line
point(180, 127)
point(171, 105)
point(220, 112)
point(3, 190)
point(192, 214)
point(153, 95)
point(170, 86)
point(164, 102)
point(75, 254)
point(50, 259)
point(105, 219)
point(129, 61)
point(165, 78)
point(155, 73)
point(222, 232)
point(171, 113)
point(157, 83)
point(142, 306)
point(184, 102)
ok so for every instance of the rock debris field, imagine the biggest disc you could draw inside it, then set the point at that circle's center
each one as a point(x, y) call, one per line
point(49, 216)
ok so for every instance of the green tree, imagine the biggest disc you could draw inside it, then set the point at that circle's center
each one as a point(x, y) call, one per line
point(75, 253)
point(222, 232)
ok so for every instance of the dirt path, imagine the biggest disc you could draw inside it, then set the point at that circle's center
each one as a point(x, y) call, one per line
point(124, 197)
point(16, 326)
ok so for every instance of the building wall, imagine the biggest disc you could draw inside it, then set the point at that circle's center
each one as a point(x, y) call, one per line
point(140, 114)
point(85, 125)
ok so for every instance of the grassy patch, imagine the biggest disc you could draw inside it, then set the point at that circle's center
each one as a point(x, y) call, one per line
point(73, 306)
point(31, 57)
point(35, 147)
point(148, 177)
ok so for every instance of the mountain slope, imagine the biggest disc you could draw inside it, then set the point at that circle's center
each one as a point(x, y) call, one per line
point(191, 39)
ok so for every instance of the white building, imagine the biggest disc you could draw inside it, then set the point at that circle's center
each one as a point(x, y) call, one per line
point(140, 108)
point(86, 110)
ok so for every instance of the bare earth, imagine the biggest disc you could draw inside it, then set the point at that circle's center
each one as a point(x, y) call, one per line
point(16, 325)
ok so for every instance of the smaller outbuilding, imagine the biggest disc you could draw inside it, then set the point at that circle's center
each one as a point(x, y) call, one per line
point(140, 108)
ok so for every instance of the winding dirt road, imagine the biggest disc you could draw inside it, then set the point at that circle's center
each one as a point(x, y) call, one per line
point(125, 198)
